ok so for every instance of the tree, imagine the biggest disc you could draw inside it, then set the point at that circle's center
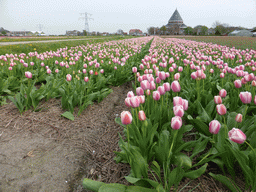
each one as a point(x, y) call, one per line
point(204, 30)
point(163, 29)
point(188, 31)
point(84, 33)
point(151, 30)
point(120, 32)
point(4, 32)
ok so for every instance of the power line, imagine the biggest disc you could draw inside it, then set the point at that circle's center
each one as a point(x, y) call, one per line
point(86, 18)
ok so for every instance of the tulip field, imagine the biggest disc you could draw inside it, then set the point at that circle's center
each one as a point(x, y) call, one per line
point(193, 104)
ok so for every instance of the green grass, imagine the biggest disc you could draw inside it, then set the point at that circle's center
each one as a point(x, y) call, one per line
point(230, 41)
point(42, 47)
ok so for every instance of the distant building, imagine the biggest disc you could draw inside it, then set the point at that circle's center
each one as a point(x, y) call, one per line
point(245, 33)
point(175, 25)
point(73, 33)
point(135, 32)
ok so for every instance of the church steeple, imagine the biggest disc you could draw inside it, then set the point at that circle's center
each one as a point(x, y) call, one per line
point(175, 18)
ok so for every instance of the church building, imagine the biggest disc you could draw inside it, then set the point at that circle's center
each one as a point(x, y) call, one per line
point(175, 24)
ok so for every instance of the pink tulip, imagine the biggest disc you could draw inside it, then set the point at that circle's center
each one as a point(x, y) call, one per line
point(142, 115)
point(180, 69)
point(217, 99)
point(175, 86)
point(49, 71)
point(162, 75)
point(222, 75)
point(214, 127)
point(86, 79)
point(185, 104)
point(161, 90)
point(142, 99)
point(237, 136)
point(211, 71)
point(127, 102)
point(221, 109)
point(102, 71)
point(134, 69)
point(152, 85)
point(156, 95)
point(28, 74)
point(246, 97)
point(69, 77)
point(239, 118)
point(176, 76)
point(193, 75)
point(177, 101)
point(178, 110)
point(130, 94)
point(145, 84)
point(139, 91)
point(167, 86)
point(10, 68)
point(253, 83)
point(56, 70)
point(176, 122)
point(126, 117)
point(148, 92)
point(238, 83)
point(254, 100)
point(135, 101)
point(158, 80)
point(223, 93)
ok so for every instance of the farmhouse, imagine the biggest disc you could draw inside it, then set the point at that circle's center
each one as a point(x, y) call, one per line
point(175, 25)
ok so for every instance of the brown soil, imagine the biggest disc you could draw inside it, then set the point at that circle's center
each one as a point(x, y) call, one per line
point(42, 151)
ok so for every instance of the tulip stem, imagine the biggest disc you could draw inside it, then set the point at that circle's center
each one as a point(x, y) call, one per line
point(246, 107)
point(250, 147)
point(173, 140)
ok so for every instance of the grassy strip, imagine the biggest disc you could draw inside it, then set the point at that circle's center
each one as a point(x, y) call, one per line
point(42, 47)
point(230, 41)
point(18, 39)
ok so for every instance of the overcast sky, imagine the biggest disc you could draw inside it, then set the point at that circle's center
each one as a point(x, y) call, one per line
point(57, 16)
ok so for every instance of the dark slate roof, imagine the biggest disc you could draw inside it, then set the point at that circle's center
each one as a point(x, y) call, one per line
point(175, 17)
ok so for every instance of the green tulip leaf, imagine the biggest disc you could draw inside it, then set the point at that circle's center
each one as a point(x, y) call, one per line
point(68, 115)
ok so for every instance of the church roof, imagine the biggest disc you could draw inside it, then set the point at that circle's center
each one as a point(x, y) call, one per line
point(175, 17)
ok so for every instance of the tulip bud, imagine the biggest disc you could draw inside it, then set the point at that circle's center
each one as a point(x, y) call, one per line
point(185, 104)
point(126, 117)
point(69, 77)
point(167, 86)
point(175, 86)
point(221, 109)
point(161, 90)
point(217, 99)
point(142, 115)
point(86, 79)
point(239, 118)
point(156, 95)
point(238, 83)
point(177, 101)
point(145, 84)
point(139, 91)
point(127, 102)
point(246, 97)
point(135, 101)
point(223, 93)
point(176, 122)
point(134, 69)
point(214, 127)
point(178, 110)
point(254, 100)
point(130, 94)
point(237, 136)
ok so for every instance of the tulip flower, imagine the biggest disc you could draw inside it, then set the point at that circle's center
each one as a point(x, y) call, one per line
point(49, 71)
point(134, 69)
point(152, 85)
point(161, 90)
point(239, 118)
point(223, 93)
point(28, 74)
point(86, 79)
point(142, 99)
point(178, 110)
point(156, 95)
point(148, 92)
point(142, 115)
point(130, 94)
point(237, 136)
point(167, 86)
point(145, 84)
point(254, 100)
point(135, 101)
point(177, 101)
point(221, 109)
point(127, 102)
point(238, 83)
point(175, 86)
point(176, 122)
point(214, 127)
point(69, 77)
point(246, 97)
point(126, 117)
point(217, 99)
point(139, 91)
point(185, 104)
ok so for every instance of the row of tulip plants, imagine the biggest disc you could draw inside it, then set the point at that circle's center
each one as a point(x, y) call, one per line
point(193, 104)
point(78, 75)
